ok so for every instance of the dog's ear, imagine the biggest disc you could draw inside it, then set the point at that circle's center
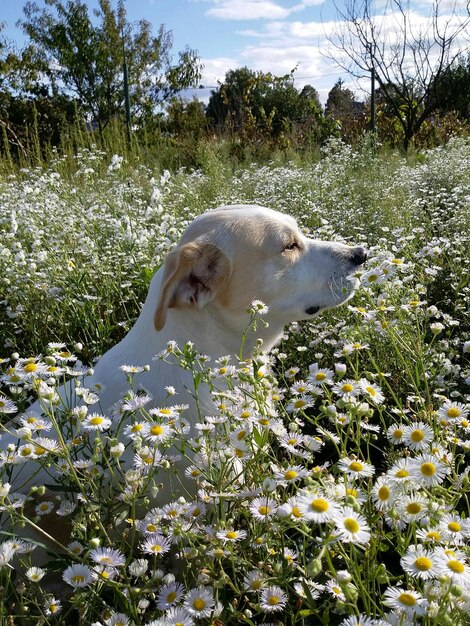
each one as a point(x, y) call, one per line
point(193, 275)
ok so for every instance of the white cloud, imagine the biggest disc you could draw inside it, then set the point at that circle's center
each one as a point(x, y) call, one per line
point(247, 10)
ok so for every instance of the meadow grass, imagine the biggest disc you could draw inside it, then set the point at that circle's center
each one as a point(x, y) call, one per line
point(332, 487)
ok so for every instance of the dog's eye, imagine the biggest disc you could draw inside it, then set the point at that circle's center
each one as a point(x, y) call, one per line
point(291, 246)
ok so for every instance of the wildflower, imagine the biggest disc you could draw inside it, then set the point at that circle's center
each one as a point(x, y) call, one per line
point(254, 581)
point(78, 575)
point(429, 535)
point(34, 574)
point(417, 436)
point(118, 619)
point(157, 433)
point(138, 567)
point(361, 620)
point(452, 563)
point(315, 508)
point(263, 508)
point(419, 562)
point(318, 375)
point(384, 493)
point(454, 529)
point(230, 535)
point(94, 421)
point(299, 403)
point(351, 526)
point(7, 406)
point(155, 544)
point(412, 507)
point(200, 602)
point(346, 389)
point(169, 595)
point(44, 508)
point(428, 471)
point(333, 587)
point(373, 392)
point(395, 433)
point(354, 468)
point(400, 471)
point(108, 557)
point(453, 410)
point(409, 601)
point(178, 617)
point(290, 474)
point(272, 599)
point(52, 606)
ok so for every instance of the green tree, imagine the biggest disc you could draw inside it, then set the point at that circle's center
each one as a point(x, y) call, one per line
point(452, 90)
point(85, 57)
point(340, 102)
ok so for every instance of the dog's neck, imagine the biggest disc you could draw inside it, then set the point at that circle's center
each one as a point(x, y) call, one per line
point(213, 330)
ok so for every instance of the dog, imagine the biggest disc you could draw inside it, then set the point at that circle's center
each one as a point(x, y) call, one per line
point(226, 259)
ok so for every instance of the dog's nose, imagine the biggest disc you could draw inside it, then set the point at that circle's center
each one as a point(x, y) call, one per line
point(358, 255)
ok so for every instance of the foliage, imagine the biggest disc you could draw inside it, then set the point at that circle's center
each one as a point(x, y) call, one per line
point(86, 59)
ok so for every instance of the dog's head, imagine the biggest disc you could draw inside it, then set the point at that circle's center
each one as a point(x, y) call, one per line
point(235, 254)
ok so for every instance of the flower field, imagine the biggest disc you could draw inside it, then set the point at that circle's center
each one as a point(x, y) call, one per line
point(331, 483)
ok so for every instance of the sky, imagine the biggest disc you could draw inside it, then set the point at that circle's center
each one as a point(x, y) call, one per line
point(268, 35)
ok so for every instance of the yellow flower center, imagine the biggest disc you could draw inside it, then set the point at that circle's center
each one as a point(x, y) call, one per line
point(273, 600)
point(156, 429)
point(136, 428)
point(290, 475)
point(347, 388)
point(78, 578)
point(31, 367)
point(407, 599)
point(413, 508)
point(423, 563)
point(417, 435)
point(428, 469)
point(95, 421)
point(320, 505)
point(171, 597)
point(298, 404)
point(231, 534)
point(454, 527)
point(356, 466)
point(402, 473)
point(456, 566)
point(371, 391)
point(264, 510)
point(435, 536)
point(351, 525)
point(320, 376)
point(245, 414)
point(384, 493)
point(151, 528)
point(199, 604)
point(296, 512)
point(453, 412)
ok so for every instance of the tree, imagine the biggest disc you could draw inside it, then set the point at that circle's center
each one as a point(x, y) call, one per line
point(408, 53)
point(453, 88)
point(86, 58)
point(340, 102)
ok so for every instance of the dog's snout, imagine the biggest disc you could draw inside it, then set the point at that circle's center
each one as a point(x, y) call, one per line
point(358, 255)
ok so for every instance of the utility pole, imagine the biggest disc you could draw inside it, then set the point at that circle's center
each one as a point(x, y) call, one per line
point(372, 101)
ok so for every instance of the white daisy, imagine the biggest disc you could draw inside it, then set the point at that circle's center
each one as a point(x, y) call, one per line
point(78, 576)
point(272, 599)
point(419, 562)
point(200, 602)
point(406, 600)
point(351, 526)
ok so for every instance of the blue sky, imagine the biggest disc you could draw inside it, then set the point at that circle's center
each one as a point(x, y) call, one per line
point(267, 35)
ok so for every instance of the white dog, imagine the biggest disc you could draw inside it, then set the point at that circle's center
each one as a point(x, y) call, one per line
point(226, 258)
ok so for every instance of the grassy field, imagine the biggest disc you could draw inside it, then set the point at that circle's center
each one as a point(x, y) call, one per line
point(355, 509)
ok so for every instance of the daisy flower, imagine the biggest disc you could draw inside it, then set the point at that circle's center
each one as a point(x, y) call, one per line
point(419, 562)
point(94, 421)
point(7, 406)
point(155, 544)
point(395, 434)
point(272, 599)
point(108, 557)
point(408, 601)
point(169, 595)
point(319, 375)
point(138, 567)
point(230, 535)
point(254, 581)
point(157, 433)
point(412, 507)
point(200, 602)
point(78, 576)
point(52, 606)
point(44, 508)
point(300, 402)
point(454, 529)
point(359, 620)
point(372, 391)
point(400, 472)
point(34, 574)
point(429, 535)
point(290, 474)
point(351, 526)
point(346, 389)
point(354, 468)
point(177, 617)
point(452, 563)
point(263, 508)
point(333, 588)
point(453, 410)
point(428, 471)
point(384, 493)
point(316, 508)
point(117, 619)
point(418, 435)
